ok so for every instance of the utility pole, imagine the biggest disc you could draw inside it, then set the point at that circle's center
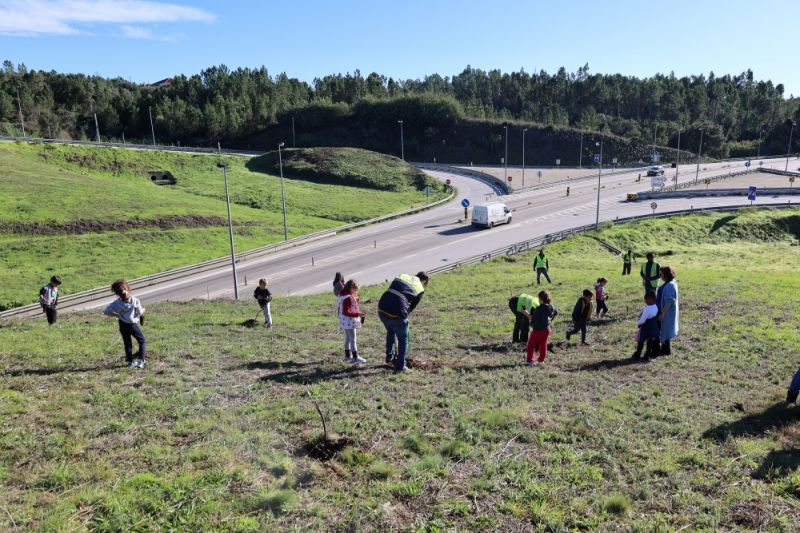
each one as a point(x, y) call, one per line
point(789, 148)
point(699, 153)
point(599, 171)
point(655, 131)
point(402, 146)
point(293, 144)
point(96, 127)
point(580, 153)
point(224, 168)
point(760, 135)
point(283, 195)
point(678, 163)
point(505, 159)
point(21, 120)
point(152, 129)
point(523, 155)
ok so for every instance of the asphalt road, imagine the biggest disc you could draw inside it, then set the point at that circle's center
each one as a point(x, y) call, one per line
point(426, 240)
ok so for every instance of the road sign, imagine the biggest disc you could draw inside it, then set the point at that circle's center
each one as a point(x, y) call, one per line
point(655, 157)
point(791, 179)
point(596, 158)
point(760, 163)
point(464, 203)
point(751, 193)
point(658, 181)
point(447, 182)
point(558, 162)
point(653, 206)
point(614, 161)
point(509, 179)
point(427, 190)
point(539, 174)
point(747, 164)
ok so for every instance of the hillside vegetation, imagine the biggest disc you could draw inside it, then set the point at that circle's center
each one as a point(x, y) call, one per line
point(222, 432)
point(92, 214)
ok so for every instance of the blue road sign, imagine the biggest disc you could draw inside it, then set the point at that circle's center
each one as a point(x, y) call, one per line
point(751, 193)
point(747, 164)
point(464, 203)
point(596, 158)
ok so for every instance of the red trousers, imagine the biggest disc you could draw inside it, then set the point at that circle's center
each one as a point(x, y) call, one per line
point(537, 342)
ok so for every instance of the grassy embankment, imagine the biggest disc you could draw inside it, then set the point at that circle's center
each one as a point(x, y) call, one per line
point(93, 215)
point(220, 431)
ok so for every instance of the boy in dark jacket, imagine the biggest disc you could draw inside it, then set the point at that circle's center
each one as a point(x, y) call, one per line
point(580, 316)
point(648, 328)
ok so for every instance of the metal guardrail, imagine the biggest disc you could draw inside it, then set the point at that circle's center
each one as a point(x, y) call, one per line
point(91, 295)
point(780, 172)
point(530, 244)
point(494, 181)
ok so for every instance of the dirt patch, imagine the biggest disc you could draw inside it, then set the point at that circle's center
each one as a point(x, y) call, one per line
point(80, 227)
point(250, 323)
point(324, 449)
point(431, 366)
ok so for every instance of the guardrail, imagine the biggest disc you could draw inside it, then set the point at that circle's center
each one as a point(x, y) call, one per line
point(530, 244)
point(688, 184)
point(494, 181)
point(780, 172)
point(91, 295)
point(704, 193)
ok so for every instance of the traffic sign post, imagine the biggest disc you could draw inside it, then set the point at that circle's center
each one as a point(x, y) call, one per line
point(751, 194)
point(558, 162)
point(509, 179)
point(707, 182)
point(791, 181)
point(596, 158)
point(427, 191)
point(653, 206)
point(658, 181)
point(465, 205)
point(539, 174)
point(447, 182)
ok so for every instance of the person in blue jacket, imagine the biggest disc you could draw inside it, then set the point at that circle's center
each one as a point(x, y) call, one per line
point(794, 388)
point(399, 300)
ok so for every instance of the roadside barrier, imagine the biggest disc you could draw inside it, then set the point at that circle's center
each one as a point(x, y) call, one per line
point(531, 244)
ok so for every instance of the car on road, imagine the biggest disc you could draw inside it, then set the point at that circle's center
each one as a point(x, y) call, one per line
point(490, 215)
point(655, 171)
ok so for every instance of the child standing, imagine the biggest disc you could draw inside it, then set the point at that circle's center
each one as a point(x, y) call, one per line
point(540, 320)
point(648, 328)
point(48, 299)
point(130, 313)
point(350, 319)
point(580, 316)
point(601, 296)
point(264, 298)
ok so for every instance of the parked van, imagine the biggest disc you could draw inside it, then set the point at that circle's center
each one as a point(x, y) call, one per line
point(490, 215)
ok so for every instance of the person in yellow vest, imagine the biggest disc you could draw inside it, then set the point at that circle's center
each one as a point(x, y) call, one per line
point(627, 258)
point(650, 272)
point(521, 322)
point(399, 300)
point(541, 266)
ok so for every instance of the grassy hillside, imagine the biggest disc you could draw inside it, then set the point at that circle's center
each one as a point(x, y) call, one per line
point(221, 431)
point(92, 214)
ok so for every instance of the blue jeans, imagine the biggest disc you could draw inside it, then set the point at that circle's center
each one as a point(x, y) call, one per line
point(396, 328)
point(132, 330)
point(795, 386)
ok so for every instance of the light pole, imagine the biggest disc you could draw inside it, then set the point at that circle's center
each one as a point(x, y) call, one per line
point(96, 127)
point(152, 129)
point(580, 153)
point(599, 171)
point(293, 143)
point(283, 194)
point(523, 155)
point(505, 159)
point(760, 136)
point(402, 142)
point(655, 131)
point(21, 120)
point(789, 148)
point(224, 168)
point(678, 162)
point(699, 152)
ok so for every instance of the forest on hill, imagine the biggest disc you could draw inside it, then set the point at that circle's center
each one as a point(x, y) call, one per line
point(247, 107)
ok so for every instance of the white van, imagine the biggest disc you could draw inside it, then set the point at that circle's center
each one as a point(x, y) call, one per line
point(490, 215)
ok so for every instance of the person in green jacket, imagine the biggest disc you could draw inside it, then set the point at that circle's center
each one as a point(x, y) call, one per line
point(627, 258)
point(541, 265)
point(522, 325)
point(650, 273)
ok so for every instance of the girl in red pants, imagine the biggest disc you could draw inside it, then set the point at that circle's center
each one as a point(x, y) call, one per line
point(540, 320)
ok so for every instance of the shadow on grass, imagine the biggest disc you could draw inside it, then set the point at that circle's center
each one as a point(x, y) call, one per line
point(319, 374)
point(494, 347)
point(778, 463)
point(721, 222)
point(269, 365)
point(775, 417)
point(56, 370)
point(610, 364)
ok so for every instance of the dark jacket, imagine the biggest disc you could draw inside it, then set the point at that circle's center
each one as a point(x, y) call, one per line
point(542, 316)
point(649, 330)
point(582, 310)
point(262, 295)
point(399, 300)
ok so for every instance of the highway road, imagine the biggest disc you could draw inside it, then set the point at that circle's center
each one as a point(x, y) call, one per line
point(437, 237)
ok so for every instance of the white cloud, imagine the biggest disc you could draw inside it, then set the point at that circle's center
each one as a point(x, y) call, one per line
point(68, 17)
point(143, 32)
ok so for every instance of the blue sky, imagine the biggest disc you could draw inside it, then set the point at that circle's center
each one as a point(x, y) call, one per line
point(147, 41)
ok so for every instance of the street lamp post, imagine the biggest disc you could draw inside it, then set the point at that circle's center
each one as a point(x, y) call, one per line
point(21, 119)
point(789, 148)
point(678, 161)
point(96, 127)
point(699, 153)
point(283, 195)
point(224, 168)
point(523, 155)
point(580, 153)
point(402, 142)
point(599, 171)
point(293, 143)
point(760, 136)
point(505, 159)
point(152, 129)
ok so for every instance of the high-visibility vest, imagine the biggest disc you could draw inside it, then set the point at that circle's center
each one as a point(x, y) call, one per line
point(653, 272)
point(627, 258)
point(540, 262)
point(413, 282)
point(526, 300)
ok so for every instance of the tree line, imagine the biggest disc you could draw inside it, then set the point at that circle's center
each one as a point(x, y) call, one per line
point(236, 106)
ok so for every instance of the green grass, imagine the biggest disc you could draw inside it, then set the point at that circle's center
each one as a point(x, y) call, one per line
point(216, 433)
point(49, 191)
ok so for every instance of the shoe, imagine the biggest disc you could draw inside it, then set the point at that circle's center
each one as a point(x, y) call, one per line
point(389, 359)
point(791, 396)
point(585, 343)
point(636, 356)
point(267, 324)
point(404, 370)
point(528, 363)
point(357, 359)
point(569, 335)
point(138, 364)
point(347, 359)
point(130, 364)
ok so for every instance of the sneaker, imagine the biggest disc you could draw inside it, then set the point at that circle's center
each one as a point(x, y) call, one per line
point(389, 359)
point(357, 359)
point(137, 364)
point(569, 335)
point(347, 359)
point(528, 363)
point(585, 343)
point(404, 370)
point(130, 364)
